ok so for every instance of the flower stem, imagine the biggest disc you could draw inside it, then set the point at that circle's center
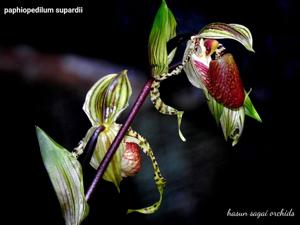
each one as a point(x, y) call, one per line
point(116, 142)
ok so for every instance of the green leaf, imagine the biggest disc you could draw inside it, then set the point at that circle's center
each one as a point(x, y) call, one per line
point(232, 123)
point(236, 32)
point(163, 29)
point(107, 98)
point(250, 110)
point(113, 171)
point(66, 176)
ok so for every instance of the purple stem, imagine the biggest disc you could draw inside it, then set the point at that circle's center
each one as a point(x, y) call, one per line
point(116, 142)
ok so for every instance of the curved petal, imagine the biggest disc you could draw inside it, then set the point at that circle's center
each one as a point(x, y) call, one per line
point(164, 108)
point(236, 32)
point(160, 182)
point(107, 98)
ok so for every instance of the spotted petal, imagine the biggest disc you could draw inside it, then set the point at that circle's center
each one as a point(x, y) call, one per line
point(160, 182)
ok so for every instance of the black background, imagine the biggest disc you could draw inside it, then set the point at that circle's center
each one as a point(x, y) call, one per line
point(260, 173)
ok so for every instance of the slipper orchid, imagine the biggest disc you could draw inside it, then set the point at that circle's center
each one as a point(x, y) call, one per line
point(209, 67)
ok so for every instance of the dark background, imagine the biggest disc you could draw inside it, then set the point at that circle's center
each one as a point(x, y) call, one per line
point(205, 175)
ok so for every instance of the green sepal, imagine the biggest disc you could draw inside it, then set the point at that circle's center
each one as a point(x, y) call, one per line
point(107, 98)
point(163, 29)
point(236, 32)
point(65, 173)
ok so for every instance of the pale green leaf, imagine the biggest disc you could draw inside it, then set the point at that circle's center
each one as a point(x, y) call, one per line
point(236, 32)
point(107, 98)
point(232, 123)
point(113, 171)
point(250, 110)
point(66, 176)
point(163, 29)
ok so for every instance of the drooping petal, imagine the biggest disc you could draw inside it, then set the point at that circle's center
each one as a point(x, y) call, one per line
point(107, 98)
point(250, 110)
point(164, 108)
point(163, 29)
point(160, 182)
point(236, 32)
point(66, 176)
point(113, 171)
point(232, 123)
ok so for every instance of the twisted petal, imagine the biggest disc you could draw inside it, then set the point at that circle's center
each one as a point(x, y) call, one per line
point(107, 98)
point(160, 182)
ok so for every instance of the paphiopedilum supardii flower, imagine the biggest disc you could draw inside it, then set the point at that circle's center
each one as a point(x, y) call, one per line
point(209, 67)
point(218, 76)
point(104, 102)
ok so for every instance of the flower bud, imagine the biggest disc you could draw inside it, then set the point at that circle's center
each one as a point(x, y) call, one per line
point(131, 160)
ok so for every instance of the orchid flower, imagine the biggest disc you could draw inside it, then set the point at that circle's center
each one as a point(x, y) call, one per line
point(104, 102)
point(209, 67)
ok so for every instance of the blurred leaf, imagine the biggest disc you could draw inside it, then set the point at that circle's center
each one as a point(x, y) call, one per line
point(163, 29)
point(107, 98)
point(250, 110)
point(236, 32)
point(113, 171)
point(66, 176)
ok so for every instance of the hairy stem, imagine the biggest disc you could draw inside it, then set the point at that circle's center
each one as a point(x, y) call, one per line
point(116, 142)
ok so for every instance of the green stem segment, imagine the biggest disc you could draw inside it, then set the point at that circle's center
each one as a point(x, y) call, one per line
point(116, 142)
